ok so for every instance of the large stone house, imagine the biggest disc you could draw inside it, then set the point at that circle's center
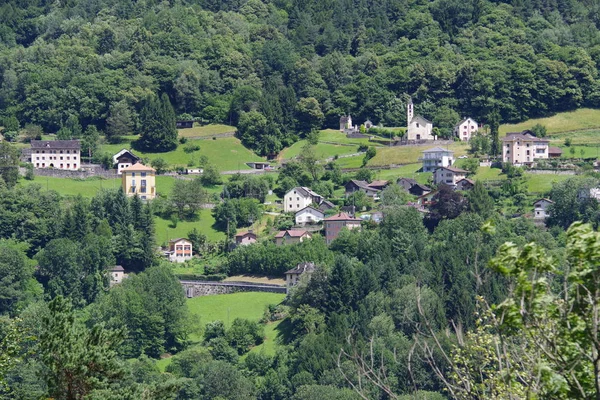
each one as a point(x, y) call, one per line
point(291, 236)
point(418, 128)
point(523, 148)
point(180, 250)
point(437, 157)
point(449, 176)
point(334, 224)
point(116, 275)
point(300, 197)
point(465, 129)
point(139, 180)
point(58, 154)
point(292, 277)
point(124, 159)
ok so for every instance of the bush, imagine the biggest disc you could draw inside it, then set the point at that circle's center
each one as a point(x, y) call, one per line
point(183, 140)
point(191, 147)
point(214, 330)
point(159, 165)
point(244, 334)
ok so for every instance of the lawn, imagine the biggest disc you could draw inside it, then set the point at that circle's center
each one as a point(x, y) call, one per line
point(72, 187)
point(165, 230)
point(411, 154)
point(225, 153)
point(538, 183)
point(405, 171)
point(322, 150)
point(577, 137)
point(584, 118)
point(350, 162)
point(206, 130)
point(489, 174)
point(331, 135)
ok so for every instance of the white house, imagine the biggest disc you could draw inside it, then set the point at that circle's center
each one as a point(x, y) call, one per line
point(435, 158)
point(418, 128)
point(300, 197)
point(180, 250)
point(465, 129)
point(124, 159)
point(449, 176)
point(57, 154)
point(309, 215)
point(540, 208)
point(116, 275)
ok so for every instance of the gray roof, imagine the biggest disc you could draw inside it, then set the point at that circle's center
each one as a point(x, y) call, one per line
point(409, 180)
point(117, 268)
point(523, 136)
point(56, 144)
point(302, 268)
point(437, 150)
point(422, 118)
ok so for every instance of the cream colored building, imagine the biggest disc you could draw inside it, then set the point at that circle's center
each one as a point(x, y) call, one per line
point(140, 180)
point(418, 128)
point(466, 129)
point(435, 158)
point(523, 148)
point(449, 176)
point(57, 154)
point(299, 198)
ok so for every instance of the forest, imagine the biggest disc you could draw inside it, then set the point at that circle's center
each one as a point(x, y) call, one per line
point(279, 69)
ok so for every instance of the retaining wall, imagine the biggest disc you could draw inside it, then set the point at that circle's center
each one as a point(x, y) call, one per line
point(207, 288)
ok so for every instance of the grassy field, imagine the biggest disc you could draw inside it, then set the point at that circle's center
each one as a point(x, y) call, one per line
point(72, 187)
point(322, 150)
point(331, 135)
point(584, 118)
point(578, 137)
point(226, 153)
point(206, 130)
point(411, 154)
point(537, 183)
point(165, 230)
point(405, 171)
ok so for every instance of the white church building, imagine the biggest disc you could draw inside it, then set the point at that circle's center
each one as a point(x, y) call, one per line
point(418, 128)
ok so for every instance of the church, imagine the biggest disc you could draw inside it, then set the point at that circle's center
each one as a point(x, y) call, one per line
point(418, 128)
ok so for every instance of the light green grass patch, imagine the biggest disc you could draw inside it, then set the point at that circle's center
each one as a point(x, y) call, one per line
point(542, 183)
point(331, 135)
point(322, 150)
point(588, 151)
point(225, 153)
point(269, 346)
point(589, 137)
point(405, 171)
point(72, 187)
point(584, 118)
point(411, 154)
point(488, 174)
point(350, 162)
point(206, 130)
point(165, 231)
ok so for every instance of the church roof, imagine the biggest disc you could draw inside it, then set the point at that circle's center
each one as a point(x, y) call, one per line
point(421, 118)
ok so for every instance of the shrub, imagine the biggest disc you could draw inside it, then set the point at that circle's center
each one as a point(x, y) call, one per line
point(191, 147)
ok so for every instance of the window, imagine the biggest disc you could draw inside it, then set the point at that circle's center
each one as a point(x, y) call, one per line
point(62, 165)
point(68, 165)
point(74, 166)
point(143, 182)
point(68, 158)
point(527, 152)
point(61, 158)
point(297, 198)
point(68, 151)
point(143, 175)
point(297, 205)
point(37, 151)
point(133, 182)
point(133, 174)
point(37, 164)
point(417, 124)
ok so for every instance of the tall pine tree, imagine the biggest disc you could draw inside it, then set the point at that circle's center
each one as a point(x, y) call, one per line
point(158, 130)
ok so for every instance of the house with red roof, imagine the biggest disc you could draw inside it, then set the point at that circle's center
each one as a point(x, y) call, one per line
point(334, 224)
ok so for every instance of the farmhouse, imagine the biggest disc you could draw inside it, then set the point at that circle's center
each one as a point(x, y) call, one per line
point(523, 148)
point(449, 176)
point(245, 238)
point(437, 157)
point(333, 225)
point(300, 197)
point(427, 198)
point(465, 184)
point(291, 237)
point(180, 250)
point(309, 215)
point(58, 154)
point(293, 275)
point(124, 159)
point(541, 209)
point(554, 152)
point(139, 180)
point(465, 129)
point(418, 128)
point(355, 186)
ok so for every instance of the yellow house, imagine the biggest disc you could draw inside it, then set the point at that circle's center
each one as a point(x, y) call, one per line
point(139, 179)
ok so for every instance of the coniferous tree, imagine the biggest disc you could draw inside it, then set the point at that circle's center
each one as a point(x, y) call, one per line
point(494, 122)
point(158, 127)
point(480, 201)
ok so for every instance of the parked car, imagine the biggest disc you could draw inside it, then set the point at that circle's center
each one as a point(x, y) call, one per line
point(465, 156)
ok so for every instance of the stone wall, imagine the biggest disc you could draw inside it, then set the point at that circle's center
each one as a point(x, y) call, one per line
point(86, 172)
point(207, 288)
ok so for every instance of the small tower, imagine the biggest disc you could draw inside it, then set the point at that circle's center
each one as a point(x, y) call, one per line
point(409, 111)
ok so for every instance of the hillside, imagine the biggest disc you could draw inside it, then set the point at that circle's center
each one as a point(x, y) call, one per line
point(277, 70)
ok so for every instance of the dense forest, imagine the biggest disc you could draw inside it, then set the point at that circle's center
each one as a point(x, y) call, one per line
point(278, 69)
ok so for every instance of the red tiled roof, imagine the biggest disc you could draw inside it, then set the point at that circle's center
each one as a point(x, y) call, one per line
point(342, 217)
point(454, 169)
point(292, 233)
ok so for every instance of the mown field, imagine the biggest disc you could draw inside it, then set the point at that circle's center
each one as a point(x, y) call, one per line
point(411, 154)
point(206, 130)
point(582, 119)
point(225, 153)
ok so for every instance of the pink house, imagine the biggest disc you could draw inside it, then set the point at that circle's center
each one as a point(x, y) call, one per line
point(245, 238)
